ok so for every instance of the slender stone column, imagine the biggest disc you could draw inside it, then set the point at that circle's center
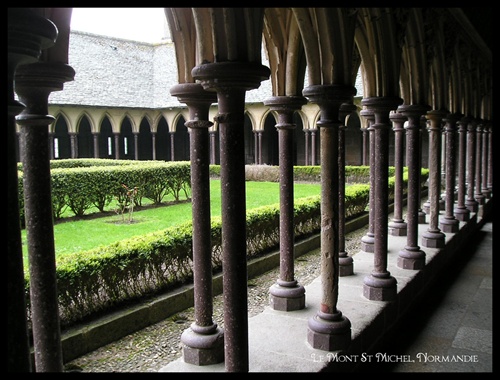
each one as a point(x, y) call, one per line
point(346, 263)
point(286, 294)
point(28, 34)
point(231, 80)
point(203, 341)
point(449, 223)
point(368, 240)
point(153, 145)
point(478, 195)
point(421, 214)
point(313, 147)
point(34, 83)
point(256, 147)
point(486, 136)
point(470, 202)
point(397, 226)
point(490, 160)
point(433, 237)
point(461, 212)
point(117, 145)
point(366, 149)
point(307, 134)
point(51, 145)
point(73, 140)
point(380, 285)
point(95, 139)
point(172, 146)
point(213, 159)
point(329, 330)
point(411, 256)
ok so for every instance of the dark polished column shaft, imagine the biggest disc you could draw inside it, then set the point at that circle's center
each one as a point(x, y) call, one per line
point(412, 257)
point(286, 294)
point(461, 212)
point(470, 201)
point(34, 83)
point(368, 240)
point(231, 80)
point(397, 226)
point(485, 159)
point(203, 342)
point(380, 285)
point(449, 223)
point(478, 193)
point(346, 262)
point(329, 330)
point(28, 35)
point(433, 237)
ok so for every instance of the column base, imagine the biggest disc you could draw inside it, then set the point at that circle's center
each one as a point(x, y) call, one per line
point(380, 287)
point(411, 258)
point(346, 265)
point(329, 332)
point(442, 204)
point(480, 199)
point(368, 243)
point(287, 296)
point(433, 239)
point(471, 205)
point(203, 345)
point(462, 214)
point(421, 217)
point(449, 225)
point(398, 228)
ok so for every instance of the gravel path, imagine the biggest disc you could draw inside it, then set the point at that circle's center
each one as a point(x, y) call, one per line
point(150, 349)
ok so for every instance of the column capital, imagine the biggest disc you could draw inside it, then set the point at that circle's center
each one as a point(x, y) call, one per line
point(328, 94)
point(285, 103)
point(413, 110)
point(221, 75)
point(191, 93)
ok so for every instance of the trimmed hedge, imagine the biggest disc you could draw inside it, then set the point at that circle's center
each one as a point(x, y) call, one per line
point(93, 282)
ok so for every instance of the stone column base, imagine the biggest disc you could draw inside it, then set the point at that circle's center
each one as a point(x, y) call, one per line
point(329, 332)
point(203, 349)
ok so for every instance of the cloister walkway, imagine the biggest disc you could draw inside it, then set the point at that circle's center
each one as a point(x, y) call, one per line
point(278, 340)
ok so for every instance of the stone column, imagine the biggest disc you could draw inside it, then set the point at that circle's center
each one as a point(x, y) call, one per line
point(470, 202)
point(433, 237)
point(213, 160)
point(28, 34)
point(203, 342)
point(380, 285)
point(461, 212)
point(449, 223)
point(231, 80)
point(95, 139)
point(73, 140)
point(397, 226)
point(117, 145)
point(411, 256)
point(313, 147)
point(485, 149)
point(256, 147)
point(306, 144)
point(329, 330)
point(172, 146)
point(490, 160)
point(51, 145)
point(368, 240)
point(136, 145)
point(34, 83)
point(153, 145)
point(286, 294)
point(366, 149)
point(478, 194)
point(346, 263)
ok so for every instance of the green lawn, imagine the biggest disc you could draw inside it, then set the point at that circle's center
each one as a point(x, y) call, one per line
point(78, 235)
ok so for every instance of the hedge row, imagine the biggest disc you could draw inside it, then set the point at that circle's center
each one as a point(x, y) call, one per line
point(93, 282)
point(82, 184)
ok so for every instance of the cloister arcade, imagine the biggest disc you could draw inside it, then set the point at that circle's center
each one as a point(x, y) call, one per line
point(420, 67)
